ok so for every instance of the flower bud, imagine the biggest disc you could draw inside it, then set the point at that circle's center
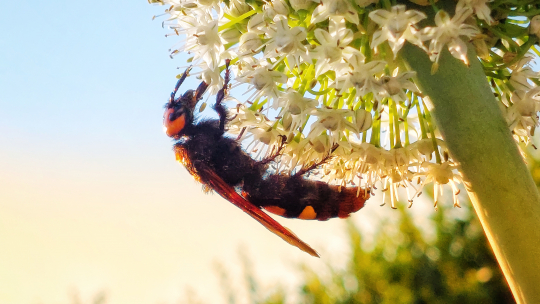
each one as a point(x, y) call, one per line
point(256, 24)
point(280, 7)
point(364, 3)
point(330, 122)
point(230, 35)
point(425, 147)
point(249, 42)
point(287, 121)
point(534, 26)
point(237, 8)
point(300, 4)
point(371, 154)
point(363, 120)
point(400, 156)
point(321, 143)
point(392, 85)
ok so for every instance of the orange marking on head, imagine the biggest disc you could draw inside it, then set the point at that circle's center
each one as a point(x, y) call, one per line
point(275, 210)
point(174, 127)
point(308, 214)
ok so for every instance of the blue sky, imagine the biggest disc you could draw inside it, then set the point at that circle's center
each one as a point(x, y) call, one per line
point(91, 198)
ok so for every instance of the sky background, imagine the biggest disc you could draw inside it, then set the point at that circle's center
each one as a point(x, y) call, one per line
point(91, 198)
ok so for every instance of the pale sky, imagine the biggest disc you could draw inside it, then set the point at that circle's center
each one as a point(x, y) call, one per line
point(91, 198)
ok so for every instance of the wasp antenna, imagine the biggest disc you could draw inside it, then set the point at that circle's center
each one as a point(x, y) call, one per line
point(179, 83)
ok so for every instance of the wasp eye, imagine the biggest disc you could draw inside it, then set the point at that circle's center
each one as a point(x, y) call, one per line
point(175, 114)
point(174, 122)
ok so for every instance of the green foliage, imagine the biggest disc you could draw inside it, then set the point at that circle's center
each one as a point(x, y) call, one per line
point(404, 267)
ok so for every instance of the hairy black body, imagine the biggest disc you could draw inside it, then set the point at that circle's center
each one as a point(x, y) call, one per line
point(207, 147)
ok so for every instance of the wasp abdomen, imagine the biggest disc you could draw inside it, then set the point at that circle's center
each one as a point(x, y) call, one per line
point(296, 197)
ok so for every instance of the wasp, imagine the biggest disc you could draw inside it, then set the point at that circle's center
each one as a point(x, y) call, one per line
point(219, 163)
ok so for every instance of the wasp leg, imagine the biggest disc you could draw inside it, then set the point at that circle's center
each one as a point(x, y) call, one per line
point(275, 153)
point(218, 106)
point(308, 168)
point(179, 83)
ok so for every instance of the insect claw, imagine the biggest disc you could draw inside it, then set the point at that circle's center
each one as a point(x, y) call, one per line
point(241, 133)
point(275, 154)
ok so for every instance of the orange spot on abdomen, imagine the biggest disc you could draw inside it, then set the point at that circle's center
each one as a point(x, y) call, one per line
point(308, 214)
point(275, 210)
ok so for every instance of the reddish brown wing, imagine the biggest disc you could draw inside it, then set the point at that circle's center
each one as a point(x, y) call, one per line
point(228, 193)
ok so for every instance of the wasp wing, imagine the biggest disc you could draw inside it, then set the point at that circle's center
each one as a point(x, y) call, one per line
point(228, 193)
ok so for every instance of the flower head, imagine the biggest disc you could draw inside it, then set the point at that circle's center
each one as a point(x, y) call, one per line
point(333, 121)
point(448, 32)
point(329, 76)
point(286, 41)
point(334, 8)
point(396, 27)
point(332, 47)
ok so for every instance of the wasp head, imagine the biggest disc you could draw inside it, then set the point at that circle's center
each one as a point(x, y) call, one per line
point(179, 111)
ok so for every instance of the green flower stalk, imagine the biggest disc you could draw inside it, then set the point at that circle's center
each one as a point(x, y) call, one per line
point(401, 94)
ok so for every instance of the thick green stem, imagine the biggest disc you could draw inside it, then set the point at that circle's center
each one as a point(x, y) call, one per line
point(503, 192)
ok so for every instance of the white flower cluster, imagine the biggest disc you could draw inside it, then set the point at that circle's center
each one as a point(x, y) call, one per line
point(326, 74)
point(521, 96)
